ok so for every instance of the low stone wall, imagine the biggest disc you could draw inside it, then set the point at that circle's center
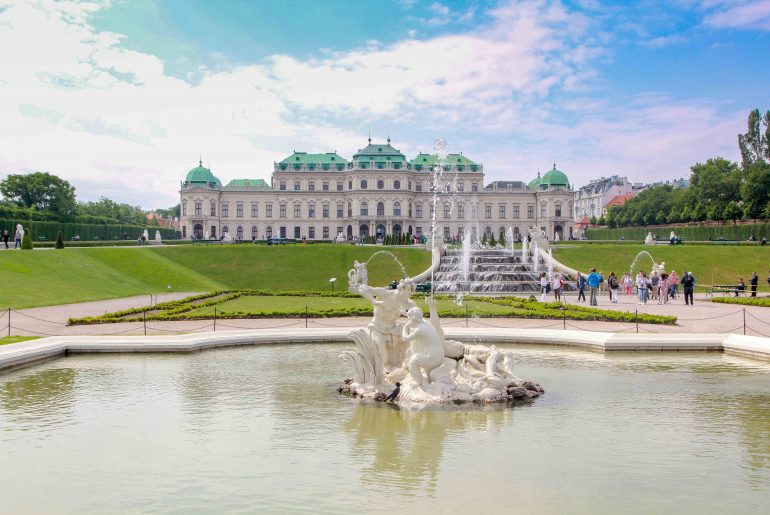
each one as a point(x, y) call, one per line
point(24, 353)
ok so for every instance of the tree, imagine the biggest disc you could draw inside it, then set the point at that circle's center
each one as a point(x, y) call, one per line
point(755, 145)
point(755, 190)
point(713, 185)
point(26, 240)
point(40, 191)
point(501, 239)
point(112, 211)
point(59, 241)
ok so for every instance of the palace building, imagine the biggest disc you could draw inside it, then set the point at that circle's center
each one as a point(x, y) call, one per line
point(378, 192)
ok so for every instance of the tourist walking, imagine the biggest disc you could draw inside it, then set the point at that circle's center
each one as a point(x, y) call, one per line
point(594, 280)
point(642, 286)
point(673, 285)
point(556, 285)
point(544, 286)
point(614, 285)
point(663, 289)
point(17, 239)
point(581, 287)
point(655, 284)
point(688, 284)
point(754, 282)
point(627, 283)
point(5, 237)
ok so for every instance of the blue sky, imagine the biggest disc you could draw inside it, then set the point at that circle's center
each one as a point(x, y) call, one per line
point(121, 97)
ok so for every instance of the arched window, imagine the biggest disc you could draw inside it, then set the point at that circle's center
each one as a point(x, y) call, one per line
point(364, 184)
point(380, 209)
point(488, 231)
point(397, 209)
point(396, 184)
point(380, 184)
point(516, 233)
point(239, 232)
point(269, 232)
point(364, 209)
point(253, 232)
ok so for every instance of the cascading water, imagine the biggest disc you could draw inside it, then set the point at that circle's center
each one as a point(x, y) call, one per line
point(645, 253)
point(550, 263)
point(524, 249)
point(465, 264)
point(403, 270)
point(536, 258)
point(509, 238)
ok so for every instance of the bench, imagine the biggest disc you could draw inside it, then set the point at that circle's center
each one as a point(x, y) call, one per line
point(725, 289)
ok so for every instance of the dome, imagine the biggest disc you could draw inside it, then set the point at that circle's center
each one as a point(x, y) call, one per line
point(201, 175)
point(555, 178)
point(535, 183)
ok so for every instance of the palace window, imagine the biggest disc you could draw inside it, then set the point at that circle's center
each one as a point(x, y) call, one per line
point(339, 210)
point(397, 209)
point(297, 232)
point(542, 211)
point(326, 232)
point(311, 211)
point(515, 211)
point(297, 210)
point(339, 185)
point(557, 214)
point(380, 184)
point(460, 211)
point(325, 185)
point(199, 209)
point(213, 233)
point(474, 211)
point(269, 232)
point(225, 210)
point(418, 210)
point(380, 209)
point(225, 230)
point(282, 186)
point(396, 184)
point(239, 233)
point(311, 185)
point(253, 232)
point(530, 211)
point(325, 210)
point(418, 186)
point(364, 209)
point(418, 231)
point(254, 212)
point(432, 211)
point(239, 210)
point(296, 185)
point(501, 213)
point(460, 186)
point(350, 185)
point(446, 233)
point(282, 231)
point(213, 207)
point(488, 211)
point(474, 186)
point(269, 210)
point(282, 211)
point(447, 210)
point(410, 210)
point(364, 184)
point(311, 233)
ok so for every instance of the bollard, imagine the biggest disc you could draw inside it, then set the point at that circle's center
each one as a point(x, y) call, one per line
point(744, 321)
point(215, 319)
point(636, 318)
point(145, 322)
point(305, 317)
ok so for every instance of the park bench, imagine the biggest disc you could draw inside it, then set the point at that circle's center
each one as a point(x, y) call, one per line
point(725, 289)
point(722, 241)
point(423, 287)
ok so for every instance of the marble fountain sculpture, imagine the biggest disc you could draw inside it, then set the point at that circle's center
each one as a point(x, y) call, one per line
point(415, 354)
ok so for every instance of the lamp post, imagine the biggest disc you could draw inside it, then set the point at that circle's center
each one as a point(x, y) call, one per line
point(333, 280)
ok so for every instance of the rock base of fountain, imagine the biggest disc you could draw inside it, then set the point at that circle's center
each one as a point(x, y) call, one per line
point(495, 392)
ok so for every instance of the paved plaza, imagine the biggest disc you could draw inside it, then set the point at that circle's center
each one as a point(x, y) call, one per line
point(704, 317)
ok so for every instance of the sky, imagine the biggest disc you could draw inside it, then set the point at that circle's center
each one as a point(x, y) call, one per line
point(122, 97)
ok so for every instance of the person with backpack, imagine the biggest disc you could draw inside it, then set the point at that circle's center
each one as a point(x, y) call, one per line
point(613, 283)
point(688, 283)
point(556, 286)
point(581, 287)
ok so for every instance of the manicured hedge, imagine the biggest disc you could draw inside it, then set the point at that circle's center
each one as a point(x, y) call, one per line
point(728, 231)
point(746, 301)
point(87, 232)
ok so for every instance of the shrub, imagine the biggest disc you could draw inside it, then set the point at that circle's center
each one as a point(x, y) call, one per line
point(26, 241)
point(59, 241)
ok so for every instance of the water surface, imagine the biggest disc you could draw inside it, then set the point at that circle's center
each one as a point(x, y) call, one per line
point(261, 429)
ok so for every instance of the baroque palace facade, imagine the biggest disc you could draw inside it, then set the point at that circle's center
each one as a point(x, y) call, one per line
point(379, 192)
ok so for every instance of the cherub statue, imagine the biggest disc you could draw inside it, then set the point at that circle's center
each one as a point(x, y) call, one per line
point(426, 349)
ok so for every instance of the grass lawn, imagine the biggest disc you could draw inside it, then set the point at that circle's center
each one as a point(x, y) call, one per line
point(5, 340)
point(48, 277)
point(711, 264)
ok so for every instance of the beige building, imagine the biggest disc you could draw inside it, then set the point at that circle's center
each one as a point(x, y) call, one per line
point(379, 192)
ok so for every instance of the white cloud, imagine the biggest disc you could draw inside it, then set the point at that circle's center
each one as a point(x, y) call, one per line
point(751, 14)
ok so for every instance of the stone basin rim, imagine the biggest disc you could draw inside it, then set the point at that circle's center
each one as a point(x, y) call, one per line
point(25, 353)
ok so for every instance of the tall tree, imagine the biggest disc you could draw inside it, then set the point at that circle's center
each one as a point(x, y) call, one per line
point(41, 191)
point(755, 144)
point(713, 185)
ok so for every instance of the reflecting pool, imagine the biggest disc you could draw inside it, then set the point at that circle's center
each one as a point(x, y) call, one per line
point(251, 429)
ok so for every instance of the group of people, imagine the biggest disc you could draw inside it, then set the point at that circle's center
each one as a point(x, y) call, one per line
point(660, 286)
point(16, 237)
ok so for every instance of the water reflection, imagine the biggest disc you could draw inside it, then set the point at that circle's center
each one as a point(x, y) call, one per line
point(46, 395)
point(403, 449)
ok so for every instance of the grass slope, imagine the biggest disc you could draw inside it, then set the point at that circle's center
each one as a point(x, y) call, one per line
point(51, 277)
point(724, 263)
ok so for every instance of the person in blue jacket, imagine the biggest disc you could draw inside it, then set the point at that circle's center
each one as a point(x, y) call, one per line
point(594, 279)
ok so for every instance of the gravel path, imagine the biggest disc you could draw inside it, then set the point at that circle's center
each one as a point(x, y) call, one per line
point(703, 317)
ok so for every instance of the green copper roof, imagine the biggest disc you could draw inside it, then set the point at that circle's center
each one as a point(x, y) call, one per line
point(303, 158)
point(535, 183)
point(427, 160)
point(202, 175)
point(555, 178)
point(379, 152)
point(248, 184)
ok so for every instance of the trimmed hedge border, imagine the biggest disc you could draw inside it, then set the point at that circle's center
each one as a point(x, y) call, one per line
point(746, 301)
point(510, 307)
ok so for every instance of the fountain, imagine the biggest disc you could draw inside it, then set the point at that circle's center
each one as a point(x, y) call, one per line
point(416, 363)
point(655, 266)
point(509, 238)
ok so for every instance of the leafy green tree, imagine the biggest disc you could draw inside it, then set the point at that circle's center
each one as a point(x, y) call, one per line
point(713, 185)
point(732, 211)
point(112, 211)
point(755, 144)
point(42, 192)
point(755, 190)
